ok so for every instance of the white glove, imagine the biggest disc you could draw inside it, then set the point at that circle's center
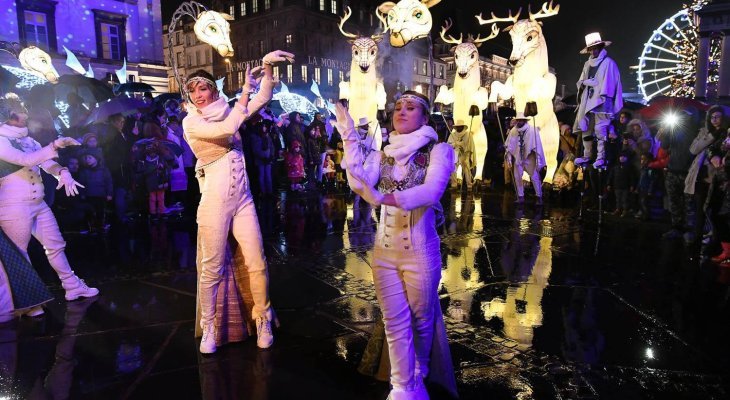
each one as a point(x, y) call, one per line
point(64, 142)
point(278, 56)
point(592, 82)
point(344, 123)
point(66, 180)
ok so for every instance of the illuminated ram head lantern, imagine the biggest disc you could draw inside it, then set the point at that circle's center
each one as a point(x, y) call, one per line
point(212, 27)
point(38, 62)
point(408, 20)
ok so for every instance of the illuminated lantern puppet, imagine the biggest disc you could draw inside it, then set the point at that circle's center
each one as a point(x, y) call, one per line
point(532, 80)
point(38, 62)
point(364, 80)
point(408, 20)
point(210, 27)
point(467, 91)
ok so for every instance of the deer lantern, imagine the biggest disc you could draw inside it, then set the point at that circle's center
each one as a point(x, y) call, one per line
point(531, 79)
point(364, 80)
point(38, 62)
point(467, 90)
point(408, 20)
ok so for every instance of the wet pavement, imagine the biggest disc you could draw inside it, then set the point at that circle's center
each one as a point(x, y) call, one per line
point(537, 305)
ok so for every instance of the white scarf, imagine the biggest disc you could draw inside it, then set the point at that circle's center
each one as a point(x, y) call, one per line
point(593, 62)
point(13, 131)
point(215, 111)
point(403, 146)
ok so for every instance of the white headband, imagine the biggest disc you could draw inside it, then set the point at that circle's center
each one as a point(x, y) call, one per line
point(415, 98)
point(199, 79)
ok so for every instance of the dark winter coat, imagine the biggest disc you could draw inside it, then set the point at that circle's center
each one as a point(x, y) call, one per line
point(622, 177)
point(97, 180)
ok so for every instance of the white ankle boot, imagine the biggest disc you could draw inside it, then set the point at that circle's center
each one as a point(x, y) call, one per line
point(76, 288)
point(207, 342)
point(264, 337)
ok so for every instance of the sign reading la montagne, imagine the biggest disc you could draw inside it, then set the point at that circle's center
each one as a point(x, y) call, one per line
point(311, 60)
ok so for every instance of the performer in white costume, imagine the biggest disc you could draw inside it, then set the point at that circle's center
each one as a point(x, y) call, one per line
point(226, 205)
point(407, 179)
point(523, 152)
point(600, 96)
point(23, 213)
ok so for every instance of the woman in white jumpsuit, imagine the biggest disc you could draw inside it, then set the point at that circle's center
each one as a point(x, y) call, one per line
point(226, 205)
point(407, 179)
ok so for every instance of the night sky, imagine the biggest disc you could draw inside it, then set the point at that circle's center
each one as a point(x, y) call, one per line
point(627, 23)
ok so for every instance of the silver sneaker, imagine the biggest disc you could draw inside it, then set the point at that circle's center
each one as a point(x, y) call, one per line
point(264, 337)
point(207, 342)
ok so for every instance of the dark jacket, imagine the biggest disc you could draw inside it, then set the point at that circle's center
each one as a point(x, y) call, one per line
point(97, 180)
point(118, 158)
point(622, 177)
point(677, 143)
point(263, 149)
point(294, 132)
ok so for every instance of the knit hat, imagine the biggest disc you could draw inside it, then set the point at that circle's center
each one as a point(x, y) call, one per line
point(9, 106)
point(85, 139)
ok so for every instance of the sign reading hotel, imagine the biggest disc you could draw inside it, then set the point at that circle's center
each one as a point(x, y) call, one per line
point(311, 60)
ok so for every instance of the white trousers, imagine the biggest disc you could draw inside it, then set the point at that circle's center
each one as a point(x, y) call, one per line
point(406, 283)
point(227, 207)
point(20, 222)
point(529, 165)
point(596, 123)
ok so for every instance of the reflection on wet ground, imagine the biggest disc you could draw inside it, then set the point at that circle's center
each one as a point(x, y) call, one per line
point(537, 305)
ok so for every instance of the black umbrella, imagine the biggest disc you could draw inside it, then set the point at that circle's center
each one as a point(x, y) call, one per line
point(173, 147)
point(133, 87)
point(118, 105)
point(7, 81)
point(90, 89)
point(161, 99)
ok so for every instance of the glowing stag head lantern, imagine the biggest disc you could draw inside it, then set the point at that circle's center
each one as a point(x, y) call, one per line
point(526, 34)
point(364, 49)
point(212, 27)
point(38, 62)
point(466, 55)
point(408, 20)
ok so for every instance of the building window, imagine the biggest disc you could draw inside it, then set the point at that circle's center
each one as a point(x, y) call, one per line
point(267, 4)
point(262, 47)
point(321, 5)
point(207, 56)
point(424, 68)
point(36, 23)
point(198, 61)
point(243, 8)
point(240, 78)
point(36, 30)
point(276, 72)
point(333, 6)
point(190, 61)
point(415, 66)
point(304, 73)
point(110, 42)
point(275, 23)
point(342, 76)
point(289, 73)
point(441, 72)
point(288, 41)
point(232, 11)
point(329, 76)
point(317, 76)
point(180, 59)
point(255, 7)
point(110, 34)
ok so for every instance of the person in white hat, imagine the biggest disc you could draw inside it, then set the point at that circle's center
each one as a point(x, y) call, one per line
point(463, 143)
point(599, 98)
point(23, 213)
point(523, 152)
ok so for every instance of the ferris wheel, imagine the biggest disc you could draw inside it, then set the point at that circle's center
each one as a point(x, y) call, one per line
point(668, 60)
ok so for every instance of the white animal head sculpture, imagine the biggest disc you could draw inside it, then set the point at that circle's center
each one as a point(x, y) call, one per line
point(466, 55)
point(364, 49)
point(213, 28)
point(38, 62)
point(526, 34)
point(408, 20)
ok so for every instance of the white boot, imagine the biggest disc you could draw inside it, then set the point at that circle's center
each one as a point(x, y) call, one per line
point(264, 337)
point(207, 342)
point(76, 288)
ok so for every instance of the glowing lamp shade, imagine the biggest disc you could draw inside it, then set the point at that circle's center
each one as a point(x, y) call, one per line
point(344, 90)
point(444, 95)
point(481, 98)
point(213, 28)
point(38, 62)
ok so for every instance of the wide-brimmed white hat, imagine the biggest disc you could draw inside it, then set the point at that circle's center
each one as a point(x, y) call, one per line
point(459, 122)
point(521, 115)
point(363, 122)
point(594, 39)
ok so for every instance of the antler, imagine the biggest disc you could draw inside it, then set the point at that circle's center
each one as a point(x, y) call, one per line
point(452, 40)
point(479, 39)
point(547, 10)
point(510, 18)
point(348, 13)
point(383, 21)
